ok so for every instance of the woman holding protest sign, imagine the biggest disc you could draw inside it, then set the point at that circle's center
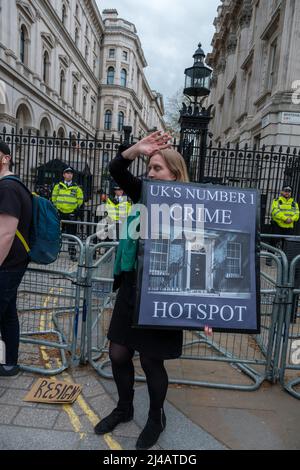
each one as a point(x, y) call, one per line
point(154, 346)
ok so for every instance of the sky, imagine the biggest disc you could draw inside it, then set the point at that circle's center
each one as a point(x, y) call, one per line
point(169, 31)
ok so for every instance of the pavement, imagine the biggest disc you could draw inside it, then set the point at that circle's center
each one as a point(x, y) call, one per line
point(198, 418)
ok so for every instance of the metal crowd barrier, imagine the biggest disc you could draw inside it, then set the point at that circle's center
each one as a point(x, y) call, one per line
point(65, 312)
point(250, 354)
point(49, 303)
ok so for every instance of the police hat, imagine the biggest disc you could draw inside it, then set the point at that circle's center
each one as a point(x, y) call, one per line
point(69, 169)
point(287, 189)
point(116, 186)
point(4, 148)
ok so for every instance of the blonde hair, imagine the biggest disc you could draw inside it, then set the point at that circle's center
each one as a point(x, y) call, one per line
point(176, 164)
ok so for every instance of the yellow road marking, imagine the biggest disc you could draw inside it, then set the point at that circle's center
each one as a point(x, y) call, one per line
point(73, 417)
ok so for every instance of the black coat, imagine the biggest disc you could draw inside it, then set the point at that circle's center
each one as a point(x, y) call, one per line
point(153, 343)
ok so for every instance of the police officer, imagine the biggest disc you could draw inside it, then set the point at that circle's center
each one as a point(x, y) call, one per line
point(285, 212)
point(118, 208)
point(67, 197)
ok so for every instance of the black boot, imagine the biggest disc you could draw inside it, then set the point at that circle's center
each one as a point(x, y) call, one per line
point(156, 423)
point(117, 416)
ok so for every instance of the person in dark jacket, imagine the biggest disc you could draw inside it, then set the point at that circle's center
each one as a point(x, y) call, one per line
point(15, 221)
point(154, 346)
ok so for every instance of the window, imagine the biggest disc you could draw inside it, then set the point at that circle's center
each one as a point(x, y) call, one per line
point(120, 121)
point(86, 52)
point(94, 65)
point(111, 53)
point(256, 141)
point(63, 15)
point(159, 257)
point(76, 37)
point(84, 107)
point(62, 84)
point(273, 67)
point(77, 10)
point(86, 30)
point(110, 76)
point(123, 77)
point(95, 46)
point(74, 99)
point(107, 120)
point(92, 115)
point(233, 260)
point(46, 67)
point(23, 45)
point(125, 55)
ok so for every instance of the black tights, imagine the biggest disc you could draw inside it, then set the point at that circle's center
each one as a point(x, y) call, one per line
point(123, 373)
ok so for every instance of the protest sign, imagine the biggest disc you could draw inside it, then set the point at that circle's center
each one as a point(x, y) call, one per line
point(198, 263)
point(49, 390)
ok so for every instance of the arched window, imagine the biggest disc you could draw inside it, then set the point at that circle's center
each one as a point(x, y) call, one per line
point(107, 120)
point(120, 121)
point(110, 76)
point(45, 127)
point(84, 107)
point(62, 82)
point(23, 117)
point(74, 98)
point(92, 115)
point(76, 37)
point(24, 45)
point(123, 77)
point(61, 133)
point(46, 67)
point(63, 14)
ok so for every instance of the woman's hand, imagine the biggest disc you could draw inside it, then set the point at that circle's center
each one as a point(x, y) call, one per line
point(148, 145)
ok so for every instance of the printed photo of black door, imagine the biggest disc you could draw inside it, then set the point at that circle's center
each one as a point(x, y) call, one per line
point(198, 270)
point(217, 266)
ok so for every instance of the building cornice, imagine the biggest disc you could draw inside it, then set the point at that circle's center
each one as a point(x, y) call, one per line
point(31, 89)
point(272, 25)
point(115, 91)
point(249, 59)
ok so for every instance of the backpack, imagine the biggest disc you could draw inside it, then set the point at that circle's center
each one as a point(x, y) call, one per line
point(45, 232)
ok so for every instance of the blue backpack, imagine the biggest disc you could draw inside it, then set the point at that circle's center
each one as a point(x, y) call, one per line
point(45, 232)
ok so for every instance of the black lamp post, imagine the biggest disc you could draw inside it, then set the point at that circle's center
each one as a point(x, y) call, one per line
point(194, 118)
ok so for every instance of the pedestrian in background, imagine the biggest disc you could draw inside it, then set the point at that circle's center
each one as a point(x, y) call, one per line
point(15, 221)
point(154, 346)
point(67, 197)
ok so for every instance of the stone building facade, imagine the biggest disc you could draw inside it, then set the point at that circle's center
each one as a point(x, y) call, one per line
point(255, 83)
point(125, 95)
point(54, 70)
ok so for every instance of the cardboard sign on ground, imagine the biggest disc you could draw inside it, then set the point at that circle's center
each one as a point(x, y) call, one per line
point(49, 390)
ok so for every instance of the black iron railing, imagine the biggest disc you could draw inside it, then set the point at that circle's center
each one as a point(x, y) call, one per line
point(40, 159)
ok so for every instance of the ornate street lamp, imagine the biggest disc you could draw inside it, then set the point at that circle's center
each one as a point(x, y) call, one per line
point(197, 78)
point(194, 118)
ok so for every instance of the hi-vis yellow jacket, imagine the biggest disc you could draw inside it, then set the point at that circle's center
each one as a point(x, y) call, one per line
point(118, 210)
point(283, 209)
point(67, 199)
